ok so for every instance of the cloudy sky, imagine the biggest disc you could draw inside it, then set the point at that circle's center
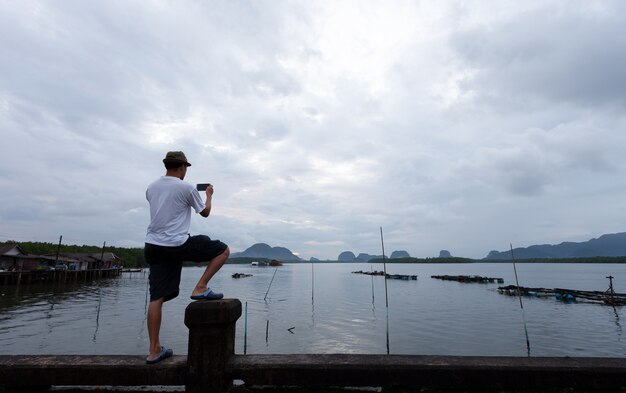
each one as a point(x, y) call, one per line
point(454, 125)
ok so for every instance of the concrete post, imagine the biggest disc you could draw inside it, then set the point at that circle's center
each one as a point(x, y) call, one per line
point(211, 343)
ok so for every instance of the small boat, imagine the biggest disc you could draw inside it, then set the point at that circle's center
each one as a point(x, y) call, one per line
point(241, 275)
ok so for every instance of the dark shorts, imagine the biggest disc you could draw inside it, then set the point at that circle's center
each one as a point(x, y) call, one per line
point(166, 263)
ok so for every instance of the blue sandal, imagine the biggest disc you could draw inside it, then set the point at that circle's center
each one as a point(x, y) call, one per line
point(165, 353)
point(208, 295)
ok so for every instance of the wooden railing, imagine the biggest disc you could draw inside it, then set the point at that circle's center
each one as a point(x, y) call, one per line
point(211, 365)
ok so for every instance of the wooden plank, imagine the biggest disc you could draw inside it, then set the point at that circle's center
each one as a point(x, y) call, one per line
point(46, 370)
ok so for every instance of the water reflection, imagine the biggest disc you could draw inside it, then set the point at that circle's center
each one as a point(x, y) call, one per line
point(616, 318)
point(56, 318)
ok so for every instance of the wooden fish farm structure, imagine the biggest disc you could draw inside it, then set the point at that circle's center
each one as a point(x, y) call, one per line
point(608, 297)
point(19, 268)
point(55, 276)
point(389, 276)
point(470, 279)
point(567, 295)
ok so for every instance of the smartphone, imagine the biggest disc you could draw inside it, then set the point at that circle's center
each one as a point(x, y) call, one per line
point(202, 186)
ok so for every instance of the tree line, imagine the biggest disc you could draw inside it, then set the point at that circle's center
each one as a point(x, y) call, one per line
point(561, 260)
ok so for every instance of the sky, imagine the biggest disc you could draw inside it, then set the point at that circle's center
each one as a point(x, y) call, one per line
point(453, 125)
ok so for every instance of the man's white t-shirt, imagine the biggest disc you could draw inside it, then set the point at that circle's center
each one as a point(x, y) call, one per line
point(171, 200)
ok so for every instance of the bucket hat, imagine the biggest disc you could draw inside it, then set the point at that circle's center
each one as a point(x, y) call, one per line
point(176, 157)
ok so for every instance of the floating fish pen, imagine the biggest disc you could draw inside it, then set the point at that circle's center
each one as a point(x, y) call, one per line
point(372, 273)
point(241, 275)
point(471, 279)
point(389, 276)
point(568, 295)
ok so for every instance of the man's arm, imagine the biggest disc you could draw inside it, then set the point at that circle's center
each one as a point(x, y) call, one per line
point(207, 205)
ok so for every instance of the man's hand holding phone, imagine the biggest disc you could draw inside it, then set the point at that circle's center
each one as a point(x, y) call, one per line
point(207, 187)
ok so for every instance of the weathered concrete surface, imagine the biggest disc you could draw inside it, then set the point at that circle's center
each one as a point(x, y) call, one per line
point(436, 372)
point(211, 343)
point(25, 370)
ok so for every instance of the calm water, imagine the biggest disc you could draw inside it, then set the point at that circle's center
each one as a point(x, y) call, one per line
point(426, 316)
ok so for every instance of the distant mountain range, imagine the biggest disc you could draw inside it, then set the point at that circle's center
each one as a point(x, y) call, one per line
point(262, 250)
point(610, 245)
point(348, 256)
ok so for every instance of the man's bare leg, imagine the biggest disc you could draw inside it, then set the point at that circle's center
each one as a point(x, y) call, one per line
point(155, 310)
point(214, 265)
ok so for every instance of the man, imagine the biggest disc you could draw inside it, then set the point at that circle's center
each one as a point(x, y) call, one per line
point(168, 244)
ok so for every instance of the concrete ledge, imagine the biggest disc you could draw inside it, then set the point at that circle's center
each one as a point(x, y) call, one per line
point(435, 372)
point(441, 372)
point(24, 370)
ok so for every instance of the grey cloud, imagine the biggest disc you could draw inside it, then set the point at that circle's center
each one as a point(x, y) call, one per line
point(553, 53)
point(537, 159)
point(82, 63)
point(523, 176)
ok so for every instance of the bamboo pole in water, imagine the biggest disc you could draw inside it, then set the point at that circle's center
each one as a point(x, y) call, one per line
point(99, 304)
point(519, 295)
point(268, 288)
point(245, 331)
point(312, 282)
point(382, 242)
point(372, 276)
